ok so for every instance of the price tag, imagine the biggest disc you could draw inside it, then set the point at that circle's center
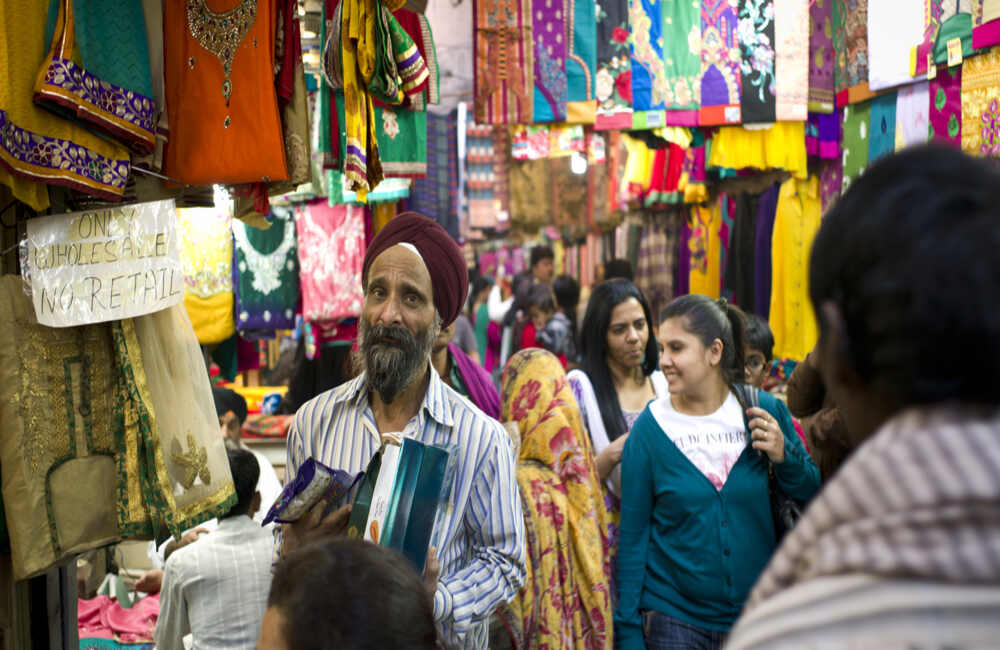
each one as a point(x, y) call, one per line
point(954, 52)
point(732, 114)
point(931, 67)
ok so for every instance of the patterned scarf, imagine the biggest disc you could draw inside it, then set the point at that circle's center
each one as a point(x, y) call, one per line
point(920, 499)
point(566, 599)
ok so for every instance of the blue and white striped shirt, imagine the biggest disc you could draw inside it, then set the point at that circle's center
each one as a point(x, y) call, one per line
point(482, 553)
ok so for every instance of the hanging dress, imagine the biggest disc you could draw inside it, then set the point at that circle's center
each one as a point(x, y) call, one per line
point(267, 273)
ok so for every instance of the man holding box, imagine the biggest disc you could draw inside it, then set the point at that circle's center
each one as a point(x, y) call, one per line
point(415, 281)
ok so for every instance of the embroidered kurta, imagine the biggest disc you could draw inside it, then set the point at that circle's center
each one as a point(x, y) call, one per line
point(219, 70)
point(504, 61)
point(720, 63)
point(36, 146)
point(756, 32)
point(852, 60)
point(548, 31)
point(945, 94)
point(331, 243)
point(613, 81)
point(791, 59)
point(207, 255)
point(821, 56)
point(682, 60)
point(796, 222)
point(267, 274)
point(981, 105)
point(649, 79)
point(581, 61)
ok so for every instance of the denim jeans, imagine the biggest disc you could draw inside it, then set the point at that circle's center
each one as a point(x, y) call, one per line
point(665, 633)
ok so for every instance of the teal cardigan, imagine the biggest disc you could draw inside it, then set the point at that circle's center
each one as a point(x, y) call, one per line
point(686, 549)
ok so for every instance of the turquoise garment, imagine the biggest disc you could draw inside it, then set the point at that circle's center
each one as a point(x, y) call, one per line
point(482, 330)
point(581, 65)
point(686, 549)
point(882, 131)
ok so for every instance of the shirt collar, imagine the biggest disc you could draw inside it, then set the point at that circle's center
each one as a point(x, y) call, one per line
point(808, 187)
point(435, 400)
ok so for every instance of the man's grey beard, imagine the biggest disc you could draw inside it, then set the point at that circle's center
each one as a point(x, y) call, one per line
point(392, 366)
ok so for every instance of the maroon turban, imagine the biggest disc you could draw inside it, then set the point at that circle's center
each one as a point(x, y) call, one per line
point(442, 257)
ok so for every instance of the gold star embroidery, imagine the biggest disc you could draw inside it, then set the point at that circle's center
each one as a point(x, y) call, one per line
point(194, 463)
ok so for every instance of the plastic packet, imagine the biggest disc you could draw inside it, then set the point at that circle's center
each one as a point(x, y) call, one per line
point(313, 482)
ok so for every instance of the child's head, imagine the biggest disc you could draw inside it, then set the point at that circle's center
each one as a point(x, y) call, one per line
point(541, 305)
point(759, 349)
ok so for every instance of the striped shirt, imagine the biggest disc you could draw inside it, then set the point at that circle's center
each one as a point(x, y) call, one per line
point(482, 552)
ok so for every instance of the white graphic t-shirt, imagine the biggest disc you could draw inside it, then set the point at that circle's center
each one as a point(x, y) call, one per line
point(713, 443)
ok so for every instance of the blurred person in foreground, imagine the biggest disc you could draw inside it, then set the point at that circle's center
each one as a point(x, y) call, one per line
point(902, 547)
point(343, 594)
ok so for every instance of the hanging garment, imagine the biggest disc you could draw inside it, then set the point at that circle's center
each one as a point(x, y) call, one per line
point(487, 153)
point(912, 114)
point(694, 174)
point(757, 102)
point(936, 13)
point(945, 95)
point(98, 70)
point(882, 134)
point(682, 58)
point(986, 23)
point(437, 194)
point(656, 260)
point(720, 63)
point(981, 105)
point(219, 70)
point(958, 26)
point(153, 15)
point(207, 256)
point(706, 250)
point(796, 222)
point(823, 135)
point(530, 193)
point(548, 28)
point(830, 181)
point(504, 59)
point(331, 243)
point(791, 59)
point(738, 279)
point(293, 99)
point(266, 274)
point(851, 16)
point(185, 477)
point(613, 81)
point(780, 146)
point(36, 146)
point(855, 141)
point(821, 56)
point(766, 212)
point(893, 28)
point(649, 76)
point(666, 174)
point(402, 140)
point(581, 61)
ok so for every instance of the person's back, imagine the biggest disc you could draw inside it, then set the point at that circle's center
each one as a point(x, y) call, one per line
point(216, 588)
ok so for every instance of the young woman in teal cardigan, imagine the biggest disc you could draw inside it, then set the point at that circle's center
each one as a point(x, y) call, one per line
point(696, 527)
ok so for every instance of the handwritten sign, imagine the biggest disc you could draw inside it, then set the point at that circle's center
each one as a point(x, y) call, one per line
point(105, 264)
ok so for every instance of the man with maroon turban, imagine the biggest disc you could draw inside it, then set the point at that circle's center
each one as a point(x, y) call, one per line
point(415, 281)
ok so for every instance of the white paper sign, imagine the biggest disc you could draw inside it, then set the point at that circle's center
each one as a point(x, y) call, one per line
point(105, 264)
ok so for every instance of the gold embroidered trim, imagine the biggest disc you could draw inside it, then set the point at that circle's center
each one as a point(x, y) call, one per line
point(221, 33)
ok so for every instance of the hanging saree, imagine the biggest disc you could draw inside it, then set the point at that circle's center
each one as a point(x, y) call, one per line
point(720, 63)
point(981, 105)
point(682, 60)
point(504, 61)
point(37, 147)
point(945, 95)
point(882, 134)
point(566, 598)
point(855, 141)
point(851, 16)
point(362, 164)
point(757, 61)
point(331, 243)
point(581, 61)
point(207, 256)
point(548, 28)
point(791, 60)
point(267, 274)
point(821, 56)
point(613, 81)
point(649, 77)
point(98, 70)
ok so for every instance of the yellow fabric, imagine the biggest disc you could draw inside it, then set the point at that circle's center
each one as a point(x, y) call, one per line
point(679, 135)
point(566, 599)
point(383, 214)
point(783, 146)
point(705, 246)
point(212, 318)
point(358, 52)
point(796, 222)
point(23, 46)
point(559, 256)
point(582, 112)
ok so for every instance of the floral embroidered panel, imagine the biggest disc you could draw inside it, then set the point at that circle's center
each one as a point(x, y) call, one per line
point(945, 104)
point(721, 63)
point(756, 35)
point(649, 80)
point(981, 104)
point(548, 24)
point(331, 253)
point(267, 274)
point(613, 82)
point(682, 60)
point(821, 55)
point(791, 60)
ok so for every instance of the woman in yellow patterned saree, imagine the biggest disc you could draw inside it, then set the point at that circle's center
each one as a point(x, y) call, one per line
point(566, 600)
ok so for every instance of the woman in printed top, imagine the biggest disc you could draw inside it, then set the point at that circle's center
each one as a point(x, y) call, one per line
point(696, 526)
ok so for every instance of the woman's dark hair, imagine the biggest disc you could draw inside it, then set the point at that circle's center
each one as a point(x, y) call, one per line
point(709, 320)
point(619, 268)
point(594, 348)
point(758, 336)
point(521, 285)
point(481, 283)
point(911, 257)
point(331, 591)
